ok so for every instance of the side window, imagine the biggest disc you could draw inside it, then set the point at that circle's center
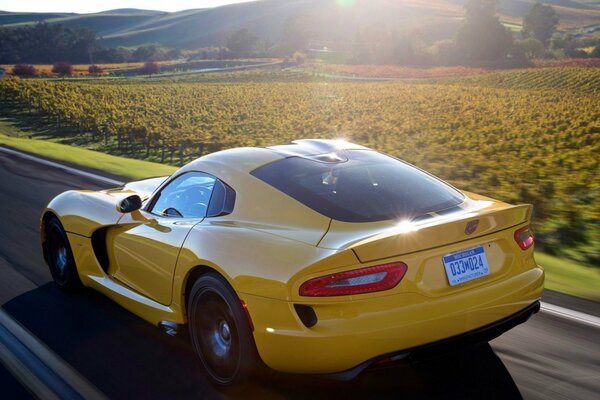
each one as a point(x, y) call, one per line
point(222, 200)
point(186, 196)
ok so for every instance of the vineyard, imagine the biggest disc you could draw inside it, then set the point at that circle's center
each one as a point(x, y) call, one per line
point(530, 136)
point(393, 71)
point(575, 79)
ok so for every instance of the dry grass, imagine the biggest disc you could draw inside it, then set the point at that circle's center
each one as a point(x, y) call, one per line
point(82, 69)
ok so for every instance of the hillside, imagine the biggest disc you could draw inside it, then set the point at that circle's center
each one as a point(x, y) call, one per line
point(328, 20)
point(9, 19)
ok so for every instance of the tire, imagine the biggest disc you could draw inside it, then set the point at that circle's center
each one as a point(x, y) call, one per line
point(220, 333)
point(59, 256)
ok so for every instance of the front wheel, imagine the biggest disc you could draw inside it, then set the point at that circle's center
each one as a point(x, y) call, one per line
point(220, 332)
point(59, 256)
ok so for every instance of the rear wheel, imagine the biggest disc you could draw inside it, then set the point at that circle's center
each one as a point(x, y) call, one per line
point(220, 332)
point(59, 256)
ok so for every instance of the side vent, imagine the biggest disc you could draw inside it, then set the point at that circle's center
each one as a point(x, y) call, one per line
point(99, 246)
point(307, 315)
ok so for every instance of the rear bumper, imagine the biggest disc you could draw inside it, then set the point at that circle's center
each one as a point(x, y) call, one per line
point(353, 335)
point(432, 350)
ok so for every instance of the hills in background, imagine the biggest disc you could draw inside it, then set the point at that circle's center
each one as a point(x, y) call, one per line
point(438, 19)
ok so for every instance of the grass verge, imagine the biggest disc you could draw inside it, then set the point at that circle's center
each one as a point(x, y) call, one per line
point(128, 168)
point(569, 277)
point(561, 275)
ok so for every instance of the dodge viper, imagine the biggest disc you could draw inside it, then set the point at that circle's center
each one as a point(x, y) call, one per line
point(315, 257)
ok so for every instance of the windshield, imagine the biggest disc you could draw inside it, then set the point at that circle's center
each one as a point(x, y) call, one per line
point(360, 186)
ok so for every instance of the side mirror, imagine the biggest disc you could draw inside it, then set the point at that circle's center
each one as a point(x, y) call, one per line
point(129, 204)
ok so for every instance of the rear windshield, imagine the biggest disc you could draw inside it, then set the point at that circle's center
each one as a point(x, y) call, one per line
point(359, 186)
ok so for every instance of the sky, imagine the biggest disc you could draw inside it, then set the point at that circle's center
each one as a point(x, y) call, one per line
point(93, 6)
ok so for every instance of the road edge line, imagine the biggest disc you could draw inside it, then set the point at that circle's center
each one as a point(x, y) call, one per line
point(571, 314)
point(60, 166)
point(24, 375)
point(44, 356)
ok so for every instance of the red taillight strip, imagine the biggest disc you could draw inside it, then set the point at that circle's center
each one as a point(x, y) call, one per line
point(524, 238)
point(376, 279)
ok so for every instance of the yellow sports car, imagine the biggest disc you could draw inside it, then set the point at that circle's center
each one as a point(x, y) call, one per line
point(316, 257)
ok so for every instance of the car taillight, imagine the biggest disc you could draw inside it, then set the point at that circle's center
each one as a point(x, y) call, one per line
point(363, 280)
point(524, 238)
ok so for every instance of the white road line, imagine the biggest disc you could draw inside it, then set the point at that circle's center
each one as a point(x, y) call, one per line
point(27, 378)
point(61, 166)
point(43, 357)
point(571, 314)
point(545, 307)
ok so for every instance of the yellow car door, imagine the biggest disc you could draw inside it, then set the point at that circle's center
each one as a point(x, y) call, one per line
point(144, 247)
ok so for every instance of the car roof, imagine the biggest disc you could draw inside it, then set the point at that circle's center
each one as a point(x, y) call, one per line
point(314, 147)
point(247, 159)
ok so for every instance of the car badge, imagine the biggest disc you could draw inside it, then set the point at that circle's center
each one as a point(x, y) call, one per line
point(471, 226)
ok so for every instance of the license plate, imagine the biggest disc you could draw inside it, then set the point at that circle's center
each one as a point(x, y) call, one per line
point(466, 265)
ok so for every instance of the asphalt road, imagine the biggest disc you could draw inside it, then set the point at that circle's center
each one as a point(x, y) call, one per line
point(548, 357)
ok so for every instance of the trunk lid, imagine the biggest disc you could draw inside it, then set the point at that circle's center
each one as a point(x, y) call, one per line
point(476, 217)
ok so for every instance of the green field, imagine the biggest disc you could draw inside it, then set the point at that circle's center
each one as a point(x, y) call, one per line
point(569, 277)
point(134, 169)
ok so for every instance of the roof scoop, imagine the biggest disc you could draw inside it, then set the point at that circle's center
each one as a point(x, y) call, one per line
point(323, 150)
point(337, 157)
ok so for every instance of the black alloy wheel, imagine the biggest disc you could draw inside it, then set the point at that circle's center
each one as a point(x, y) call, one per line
point(59, 256)
point(220, 332)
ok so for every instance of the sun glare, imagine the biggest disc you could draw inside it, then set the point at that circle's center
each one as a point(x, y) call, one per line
point(345, 3)
point(405, 227)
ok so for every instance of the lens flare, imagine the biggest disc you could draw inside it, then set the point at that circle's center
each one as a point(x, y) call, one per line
point(406, 227)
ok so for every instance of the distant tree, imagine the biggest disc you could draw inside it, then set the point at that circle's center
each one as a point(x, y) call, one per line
point(79, 43)
point(530, 48)
point(482, 39)
point(297, 33)
point(9, 46)
point(568, 45)
point(149, 68)
point(175, 54)
point(145, 53)
point(540, 23)
point(62, 68)
point(409, 49)
point(114, 55)
point(264, 47)
point(24, 70)
point(95, 70)
point(242, 43)
point(45, 43)
point(446, 53)
point(300, 58)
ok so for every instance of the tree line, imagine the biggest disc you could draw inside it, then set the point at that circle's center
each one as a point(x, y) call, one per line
point(45, 43)
point(481, 40)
